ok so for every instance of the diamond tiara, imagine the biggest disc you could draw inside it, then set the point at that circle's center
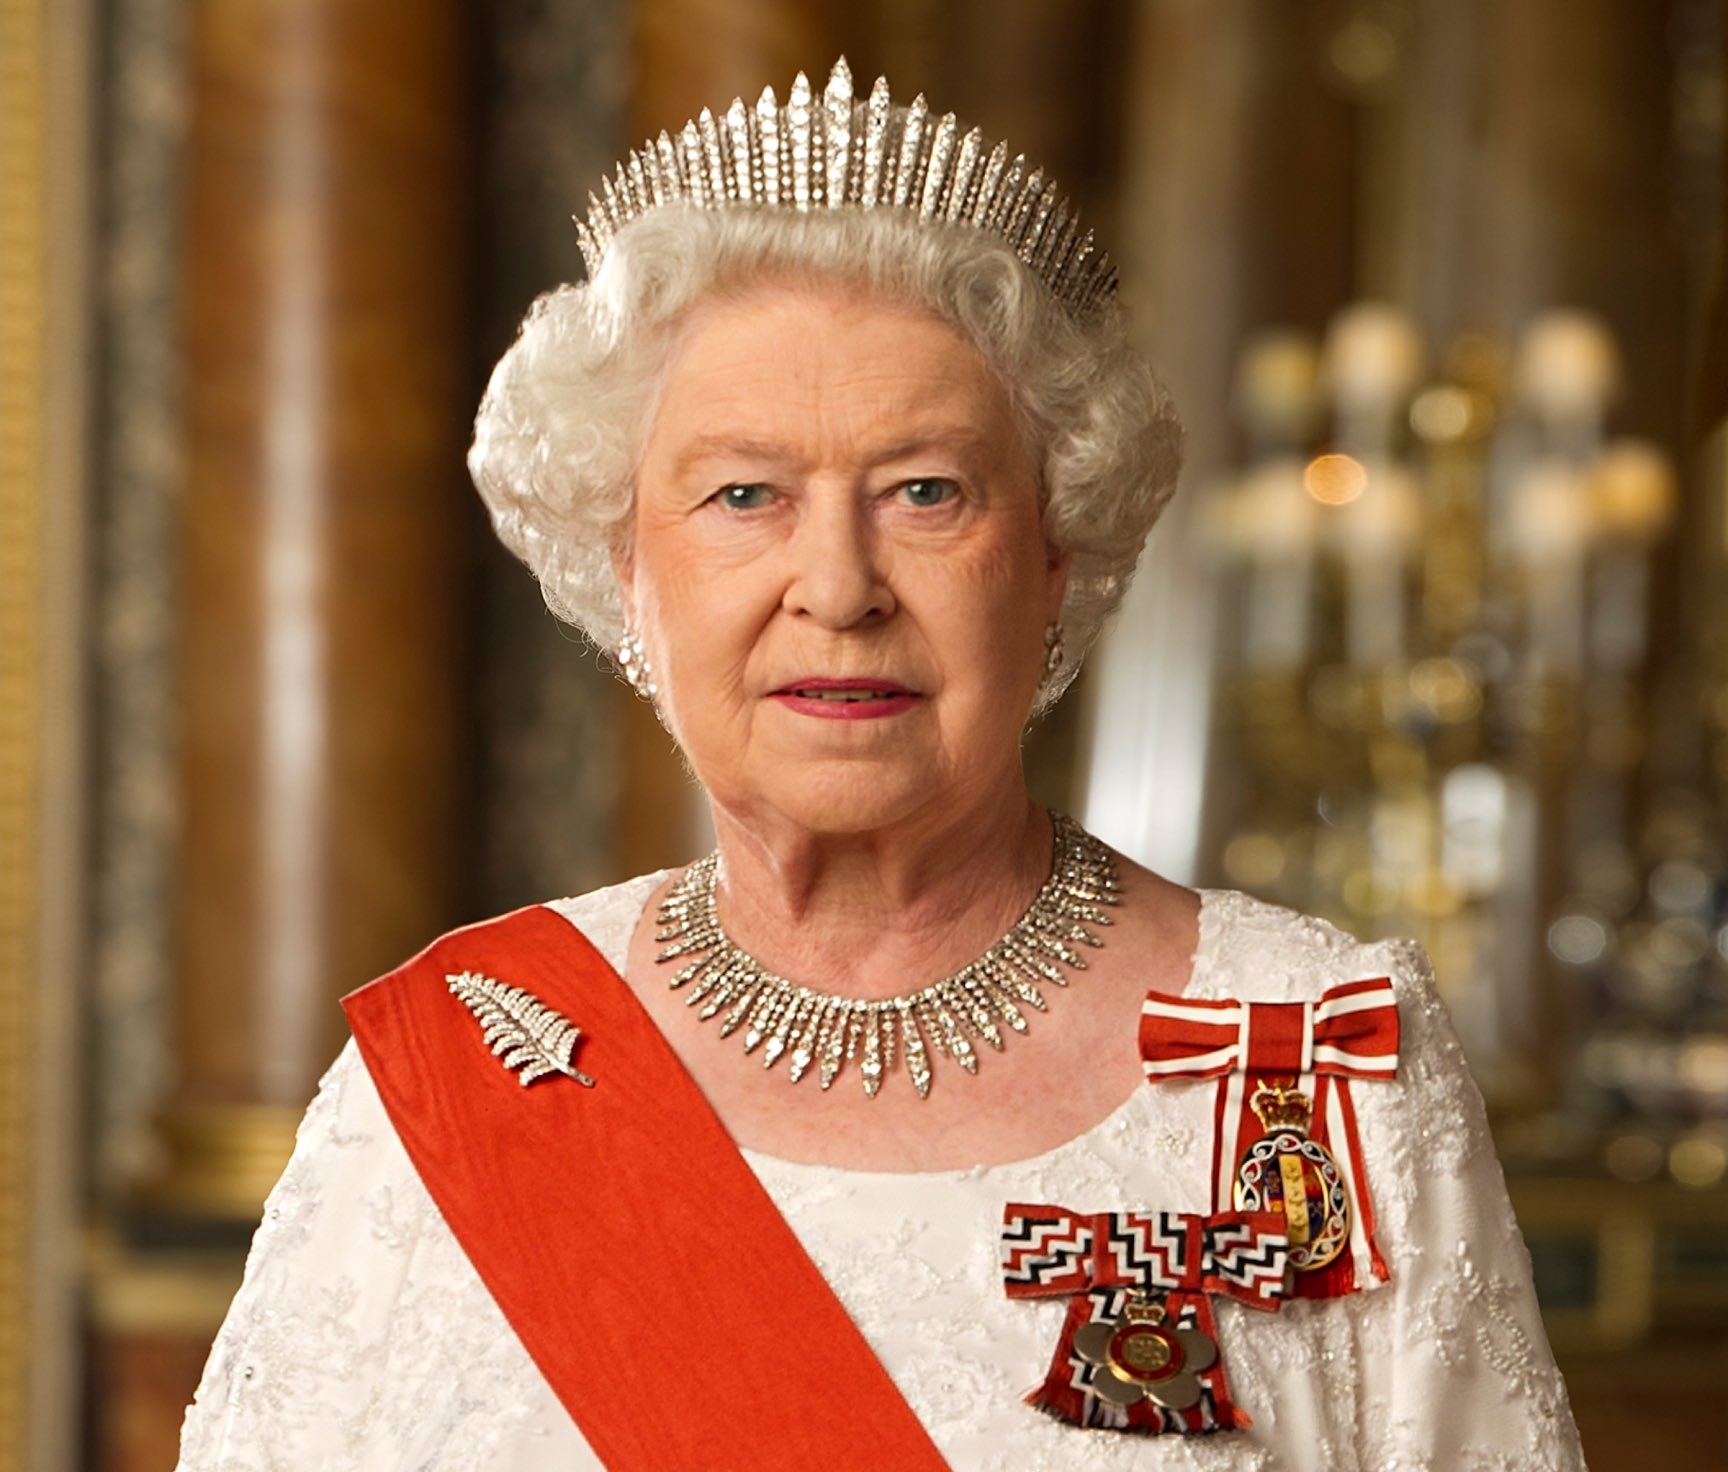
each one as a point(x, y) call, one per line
point(835, 152)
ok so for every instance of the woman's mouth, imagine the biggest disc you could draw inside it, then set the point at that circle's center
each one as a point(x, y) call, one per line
point(829, 699)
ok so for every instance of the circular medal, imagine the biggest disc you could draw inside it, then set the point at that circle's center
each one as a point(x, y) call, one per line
point(1287, 1173)
point(1144, 1353)
point(1141, 1357)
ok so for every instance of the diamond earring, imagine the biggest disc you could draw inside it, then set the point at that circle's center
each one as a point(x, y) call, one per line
point(1054, 653)
point(633, 664)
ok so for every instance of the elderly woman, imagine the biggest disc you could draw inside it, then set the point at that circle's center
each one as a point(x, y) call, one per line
point(836, 1141)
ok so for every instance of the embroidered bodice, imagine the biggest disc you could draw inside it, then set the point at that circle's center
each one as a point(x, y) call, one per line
point(362, 1338)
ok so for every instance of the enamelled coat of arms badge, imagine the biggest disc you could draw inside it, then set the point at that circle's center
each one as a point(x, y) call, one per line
point(1287, 1172)
point(1285, 1139)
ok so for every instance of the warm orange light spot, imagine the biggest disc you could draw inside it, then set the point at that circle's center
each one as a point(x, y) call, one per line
point(1334, 479)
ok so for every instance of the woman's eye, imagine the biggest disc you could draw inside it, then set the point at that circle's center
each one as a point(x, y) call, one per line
point(929, 492)
point(744, 497)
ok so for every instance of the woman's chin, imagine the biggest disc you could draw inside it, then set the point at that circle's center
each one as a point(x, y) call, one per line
point(839, 798)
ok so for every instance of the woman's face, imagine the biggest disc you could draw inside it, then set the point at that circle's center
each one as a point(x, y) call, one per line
point(839, 567)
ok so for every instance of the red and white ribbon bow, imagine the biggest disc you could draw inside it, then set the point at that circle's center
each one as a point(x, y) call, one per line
point(1098, 1259)
point(1350, 1032)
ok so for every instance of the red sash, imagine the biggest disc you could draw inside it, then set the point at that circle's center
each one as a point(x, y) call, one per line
point(630, 1246)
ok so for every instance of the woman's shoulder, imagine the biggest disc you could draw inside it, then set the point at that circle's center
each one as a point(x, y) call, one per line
point(608, 915)
point(1254, 950)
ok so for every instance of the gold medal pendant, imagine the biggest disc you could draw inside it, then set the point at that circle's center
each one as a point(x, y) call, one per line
point(1287, 1173)
point(1140, 1355)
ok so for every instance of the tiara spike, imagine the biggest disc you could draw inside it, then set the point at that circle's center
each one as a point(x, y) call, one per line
point(965, 172)
point(1045, 225)
point(1019, 221)
point(978, 211)
point(938, 175)
point(586, 244)
point(692, 171)
point(798, 110)
point(662, 164)
point(1030, 251)
point(1075, 261)
point(1104, 282)
point(840, 150)
point(599, 223)
point(1073, 269)
point(1052, 221)
point(768, 124)
point(837, 107)
point(1002, 207)
point(818, 151)
point(709, 131)
point(893, 144)
point(911, 147)
point(876, 114)
point(1069, 262)
point(742, 187)
point(1062, 253)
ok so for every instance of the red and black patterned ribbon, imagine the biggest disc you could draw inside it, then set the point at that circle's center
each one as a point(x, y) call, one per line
point(1097, 1260)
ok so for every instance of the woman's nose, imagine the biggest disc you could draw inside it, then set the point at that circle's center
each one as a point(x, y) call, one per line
point(836, 574)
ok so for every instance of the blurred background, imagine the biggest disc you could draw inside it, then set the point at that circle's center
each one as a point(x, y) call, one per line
point(1435, 641)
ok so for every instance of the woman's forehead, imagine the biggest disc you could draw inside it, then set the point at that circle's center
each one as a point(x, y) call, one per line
point(848, 356)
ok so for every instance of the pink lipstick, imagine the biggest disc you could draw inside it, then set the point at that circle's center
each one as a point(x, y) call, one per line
point(845, 700)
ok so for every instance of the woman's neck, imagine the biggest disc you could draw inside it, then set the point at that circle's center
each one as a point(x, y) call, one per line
point(873, 915)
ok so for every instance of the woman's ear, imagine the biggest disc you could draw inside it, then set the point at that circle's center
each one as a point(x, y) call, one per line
point(1058, 560)
point(624, 574)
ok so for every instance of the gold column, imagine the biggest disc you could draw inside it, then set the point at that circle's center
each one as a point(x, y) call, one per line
point(322, 573)
point(22, 497)
point(44, 98)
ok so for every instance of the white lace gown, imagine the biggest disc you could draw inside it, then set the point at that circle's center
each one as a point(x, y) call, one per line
point(362, 1338)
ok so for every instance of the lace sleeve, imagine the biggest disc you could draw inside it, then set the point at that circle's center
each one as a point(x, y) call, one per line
point(1456, 1371)
point(360, 1336)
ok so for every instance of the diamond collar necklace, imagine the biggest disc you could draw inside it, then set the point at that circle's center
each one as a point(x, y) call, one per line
point(815, 1028)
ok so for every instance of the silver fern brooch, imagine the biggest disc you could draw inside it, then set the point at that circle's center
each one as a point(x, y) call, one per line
point(521, 1030)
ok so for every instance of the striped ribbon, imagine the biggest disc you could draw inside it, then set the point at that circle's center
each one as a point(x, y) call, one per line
point(1048, 1250)
point(1350, 1032)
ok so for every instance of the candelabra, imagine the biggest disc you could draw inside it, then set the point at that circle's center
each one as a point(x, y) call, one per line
point(1437, 685)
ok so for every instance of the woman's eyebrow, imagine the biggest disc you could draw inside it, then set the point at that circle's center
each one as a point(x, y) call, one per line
point(956, 439)
point(729, 446)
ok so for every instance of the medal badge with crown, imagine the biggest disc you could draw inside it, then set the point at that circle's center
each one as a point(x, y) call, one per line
point(1287, 1172)
point(1138, 1350)
point(1285, 1138)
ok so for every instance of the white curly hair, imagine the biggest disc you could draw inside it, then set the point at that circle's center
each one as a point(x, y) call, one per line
point(569, 406)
